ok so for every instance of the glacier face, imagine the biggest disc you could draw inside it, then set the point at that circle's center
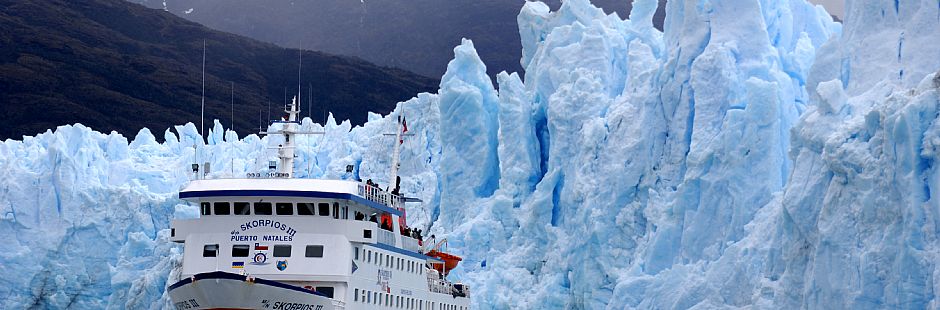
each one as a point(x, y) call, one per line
point(753, 153)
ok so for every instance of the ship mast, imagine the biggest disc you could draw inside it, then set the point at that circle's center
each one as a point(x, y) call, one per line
point(400, 133)
point(393, 182)
point(285, 150)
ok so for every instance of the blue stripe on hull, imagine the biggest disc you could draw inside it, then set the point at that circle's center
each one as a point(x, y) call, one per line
point(232, 276)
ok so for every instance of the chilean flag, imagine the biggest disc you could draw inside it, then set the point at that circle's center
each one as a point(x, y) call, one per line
point(404, 129)
point(259, 247)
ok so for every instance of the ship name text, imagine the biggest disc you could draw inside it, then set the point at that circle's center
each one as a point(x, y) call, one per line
point(186, 304)
point(267, 223)
point(280, 305)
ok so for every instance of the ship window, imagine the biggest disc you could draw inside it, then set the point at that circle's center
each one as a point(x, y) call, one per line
point(398, 301)
point(240, 250)
point(282, 250)
point(210, 250)
point(325, 290)
point(324, 209)
point(205, 208)
point(356, 295)
point(345, 212)
point(369, 258)
point(284, 208)
point(357, 253)
point(367, 233)
point(242, 208)
point(314, 251)
point(306, 209)
point(262, 208)
point(336, 210)
point(221, 208)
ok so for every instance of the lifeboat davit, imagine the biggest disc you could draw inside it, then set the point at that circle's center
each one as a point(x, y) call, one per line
point(450, 261)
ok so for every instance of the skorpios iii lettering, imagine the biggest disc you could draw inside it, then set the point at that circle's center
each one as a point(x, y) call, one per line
point(268, 223)
point(295, 306)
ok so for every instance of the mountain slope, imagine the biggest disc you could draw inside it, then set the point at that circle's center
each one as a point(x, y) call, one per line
point(416, 35)
point(114, 65)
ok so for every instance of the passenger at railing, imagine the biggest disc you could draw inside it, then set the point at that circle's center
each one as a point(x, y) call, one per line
point(386, 225)
point(360, 216)
point(373, 219)
point(397, 185)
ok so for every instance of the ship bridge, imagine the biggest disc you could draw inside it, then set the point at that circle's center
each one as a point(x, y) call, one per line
point(367, 196)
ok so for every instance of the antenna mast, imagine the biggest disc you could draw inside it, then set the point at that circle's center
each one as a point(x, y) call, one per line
point(202, 117)
point(289, 129)
point(399, 137)
point(299, 64)
point(233, 107)
point(310, 100)
point(233, 129)
point(395, 154)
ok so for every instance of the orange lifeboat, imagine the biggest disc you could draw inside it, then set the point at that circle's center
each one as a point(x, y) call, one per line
point(450, 261)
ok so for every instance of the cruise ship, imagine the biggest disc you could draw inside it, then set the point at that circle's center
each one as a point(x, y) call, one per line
point(272, 241)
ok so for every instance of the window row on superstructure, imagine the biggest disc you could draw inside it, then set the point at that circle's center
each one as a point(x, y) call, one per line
point(274, 208)
point(398, 301)
point(389, 261)
point(279, 250)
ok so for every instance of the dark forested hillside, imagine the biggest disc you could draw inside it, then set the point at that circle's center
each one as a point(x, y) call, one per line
point(415, 35)
point(116, 65)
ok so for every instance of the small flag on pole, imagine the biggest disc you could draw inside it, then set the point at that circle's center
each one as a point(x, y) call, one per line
point(259, 247)
point(404, 129)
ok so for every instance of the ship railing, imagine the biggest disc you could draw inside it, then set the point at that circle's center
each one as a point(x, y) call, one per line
point(385, 237)
point(376, 194)
point(411, 244)
point(440, 286)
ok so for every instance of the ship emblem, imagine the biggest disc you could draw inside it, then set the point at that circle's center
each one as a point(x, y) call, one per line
point(259, 259)
point(281, 265)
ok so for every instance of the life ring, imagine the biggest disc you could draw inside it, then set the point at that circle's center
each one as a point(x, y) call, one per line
point(260, 258)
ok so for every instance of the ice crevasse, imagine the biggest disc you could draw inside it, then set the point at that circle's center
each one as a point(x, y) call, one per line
point(754, 153)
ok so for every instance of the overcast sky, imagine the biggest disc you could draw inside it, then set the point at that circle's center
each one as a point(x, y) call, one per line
point(835, 7)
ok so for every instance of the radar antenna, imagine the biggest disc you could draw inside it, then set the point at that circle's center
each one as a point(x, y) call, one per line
point(290, 128)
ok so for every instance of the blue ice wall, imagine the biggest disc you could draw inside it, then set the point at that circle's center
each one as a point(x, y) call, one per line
point(753, 154)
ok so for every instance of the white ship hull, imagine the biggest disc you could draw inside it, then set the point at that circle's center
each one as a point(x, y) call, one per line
point(222, 290)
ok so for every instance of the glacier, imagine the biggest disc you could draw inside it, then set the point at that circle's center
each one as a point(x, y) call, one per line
point(752, 154)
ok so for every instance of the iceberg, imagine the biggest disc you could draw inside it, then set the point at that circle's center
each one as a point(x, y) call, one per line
point(755, 153)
